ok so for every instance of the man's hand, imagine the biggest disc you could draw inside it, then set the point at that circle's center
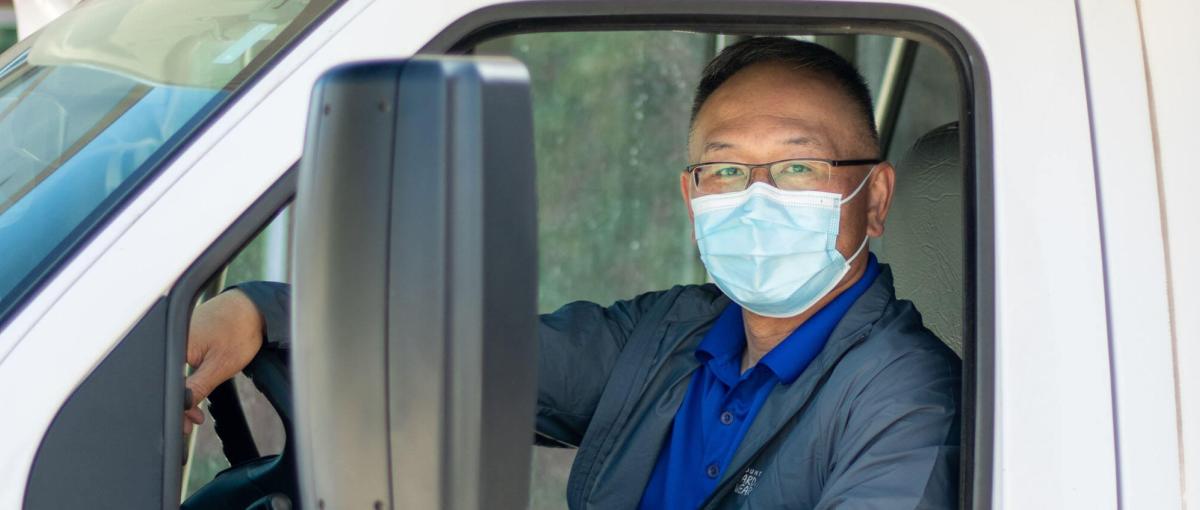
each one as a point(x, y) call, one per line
point(225, 334)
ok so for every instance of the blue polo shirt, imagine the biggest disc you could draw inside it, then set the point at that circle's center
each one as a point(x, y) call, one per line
point(721, 401)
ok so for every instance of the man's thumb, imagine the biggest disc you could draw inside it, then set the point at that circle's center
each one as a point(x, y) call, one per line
point(200, 384)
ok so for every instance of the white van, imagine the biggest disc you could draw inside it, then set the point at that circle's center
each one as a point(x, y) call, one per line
point(1042, 225)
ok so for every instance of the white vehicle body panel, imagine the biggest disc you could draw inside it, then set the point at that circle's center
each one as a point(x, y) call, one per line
point(1171, 45)
point(1135, 269)
point(1053, 422)
point(1053, 330)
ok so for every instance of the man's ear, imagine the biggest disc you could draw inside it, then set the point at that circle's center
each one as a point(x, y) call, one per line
point(879, 197)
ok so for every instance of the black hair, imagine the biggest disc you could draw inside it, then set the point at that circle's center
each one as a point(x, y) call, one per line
point(801, 55)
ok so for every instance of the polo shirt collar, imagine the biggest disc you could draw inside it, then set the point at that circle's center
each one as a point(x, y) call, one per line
point(722, 346)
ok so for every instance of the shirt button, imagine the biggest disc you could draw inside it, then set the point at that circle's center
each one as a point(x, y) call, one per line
point(726, 417)
point(712, 471)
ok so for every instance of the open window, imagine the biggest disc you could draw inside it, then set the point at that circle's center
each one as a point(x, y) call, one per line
point(616, 95)
point(619, 101)
point(243, 453)
point(241, 423)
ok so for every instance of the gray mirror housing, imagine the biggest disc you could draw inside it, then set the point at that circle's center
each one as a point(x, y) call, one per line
point(415, 277)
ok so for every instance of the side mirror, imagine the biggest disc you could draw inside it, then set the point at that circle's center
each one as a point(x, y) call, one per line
point(414, 349)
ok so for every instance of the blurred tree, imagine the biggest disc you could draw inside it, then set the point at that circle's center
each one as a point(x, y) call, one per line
point(611, 120)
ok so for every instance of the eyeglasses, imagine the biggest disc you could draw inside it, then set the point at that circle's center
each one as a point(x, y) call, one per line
point(787, 174)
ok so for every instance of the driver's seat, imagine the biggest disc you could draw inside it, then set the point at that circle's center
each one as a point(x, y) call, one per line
point(923, 238)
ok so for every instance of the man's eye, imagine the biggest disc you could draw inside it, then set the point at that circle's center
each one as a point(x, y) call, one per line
point(728, 171)
point(796, 169)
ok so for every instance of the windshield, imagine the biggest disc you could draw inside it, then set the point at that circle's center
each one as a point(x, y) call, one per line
point(92, 104)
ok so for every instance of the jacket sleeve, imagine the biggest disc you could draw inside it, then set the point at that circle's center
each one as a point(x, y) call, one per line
point(577, 347)
point(272, 301)
point(899, 446)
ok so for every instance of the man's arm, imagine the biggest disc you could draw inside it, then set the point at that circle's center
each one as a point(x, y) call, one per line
point(899, 446)
point(577, 347)
point(227, 331)
point(273, 302)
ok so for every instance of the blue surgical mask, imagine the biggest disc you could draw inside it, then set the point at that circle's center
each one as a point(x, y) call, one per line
point(774, 252)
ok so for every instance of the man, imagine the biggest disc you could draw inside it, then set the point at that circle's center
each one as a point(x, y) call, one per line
point(797, 381)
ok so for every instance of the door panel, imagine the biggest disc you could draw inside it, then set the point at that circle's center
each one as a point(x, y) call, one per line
point(105, 446)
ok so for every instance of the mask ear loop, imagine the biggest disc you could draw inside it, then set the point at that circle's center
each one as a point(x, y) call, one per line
point(847, 199)
point(860, 185)
point(859, 250)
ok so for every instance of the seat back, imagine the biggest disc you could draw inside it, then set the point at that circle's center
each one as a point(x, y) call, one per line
point(923, 237)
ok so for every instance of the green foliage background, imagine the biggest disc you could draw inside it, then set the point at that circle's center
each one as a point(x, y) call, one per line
point(610, 118)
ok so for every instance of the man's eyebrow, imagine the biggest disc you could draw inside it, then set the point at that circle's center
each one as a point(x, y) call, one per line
point(802, 140)
point(795, 141)
point(716, 146)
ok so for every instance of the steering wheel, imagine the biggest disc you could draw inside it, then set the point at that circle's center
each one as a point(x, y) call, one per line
point(252, 482)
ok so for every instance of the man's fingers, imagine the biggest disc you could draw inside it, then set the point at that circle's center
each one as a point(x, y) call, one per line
point(194, 416)
point(211, 372)
point(200, 389)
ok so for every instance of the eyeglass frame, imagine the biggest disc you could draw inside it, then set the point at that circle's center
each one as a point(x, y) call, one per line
point(834, 163)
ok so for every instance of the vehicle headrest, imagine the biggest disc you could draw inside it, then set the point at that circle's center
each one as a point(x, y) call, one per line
point(923, 239)
point(937, 148)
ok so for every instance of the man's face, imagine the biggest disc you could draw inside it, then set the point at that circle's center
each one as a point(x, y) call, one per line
point(769, 112)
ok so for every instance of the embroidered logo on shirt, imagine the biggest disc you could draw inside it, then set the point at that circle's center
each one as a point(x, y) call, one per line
point(749, 480)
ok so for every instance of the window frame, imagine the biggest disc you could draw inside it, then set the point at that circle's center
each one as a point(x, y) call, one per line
point(924, 26)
